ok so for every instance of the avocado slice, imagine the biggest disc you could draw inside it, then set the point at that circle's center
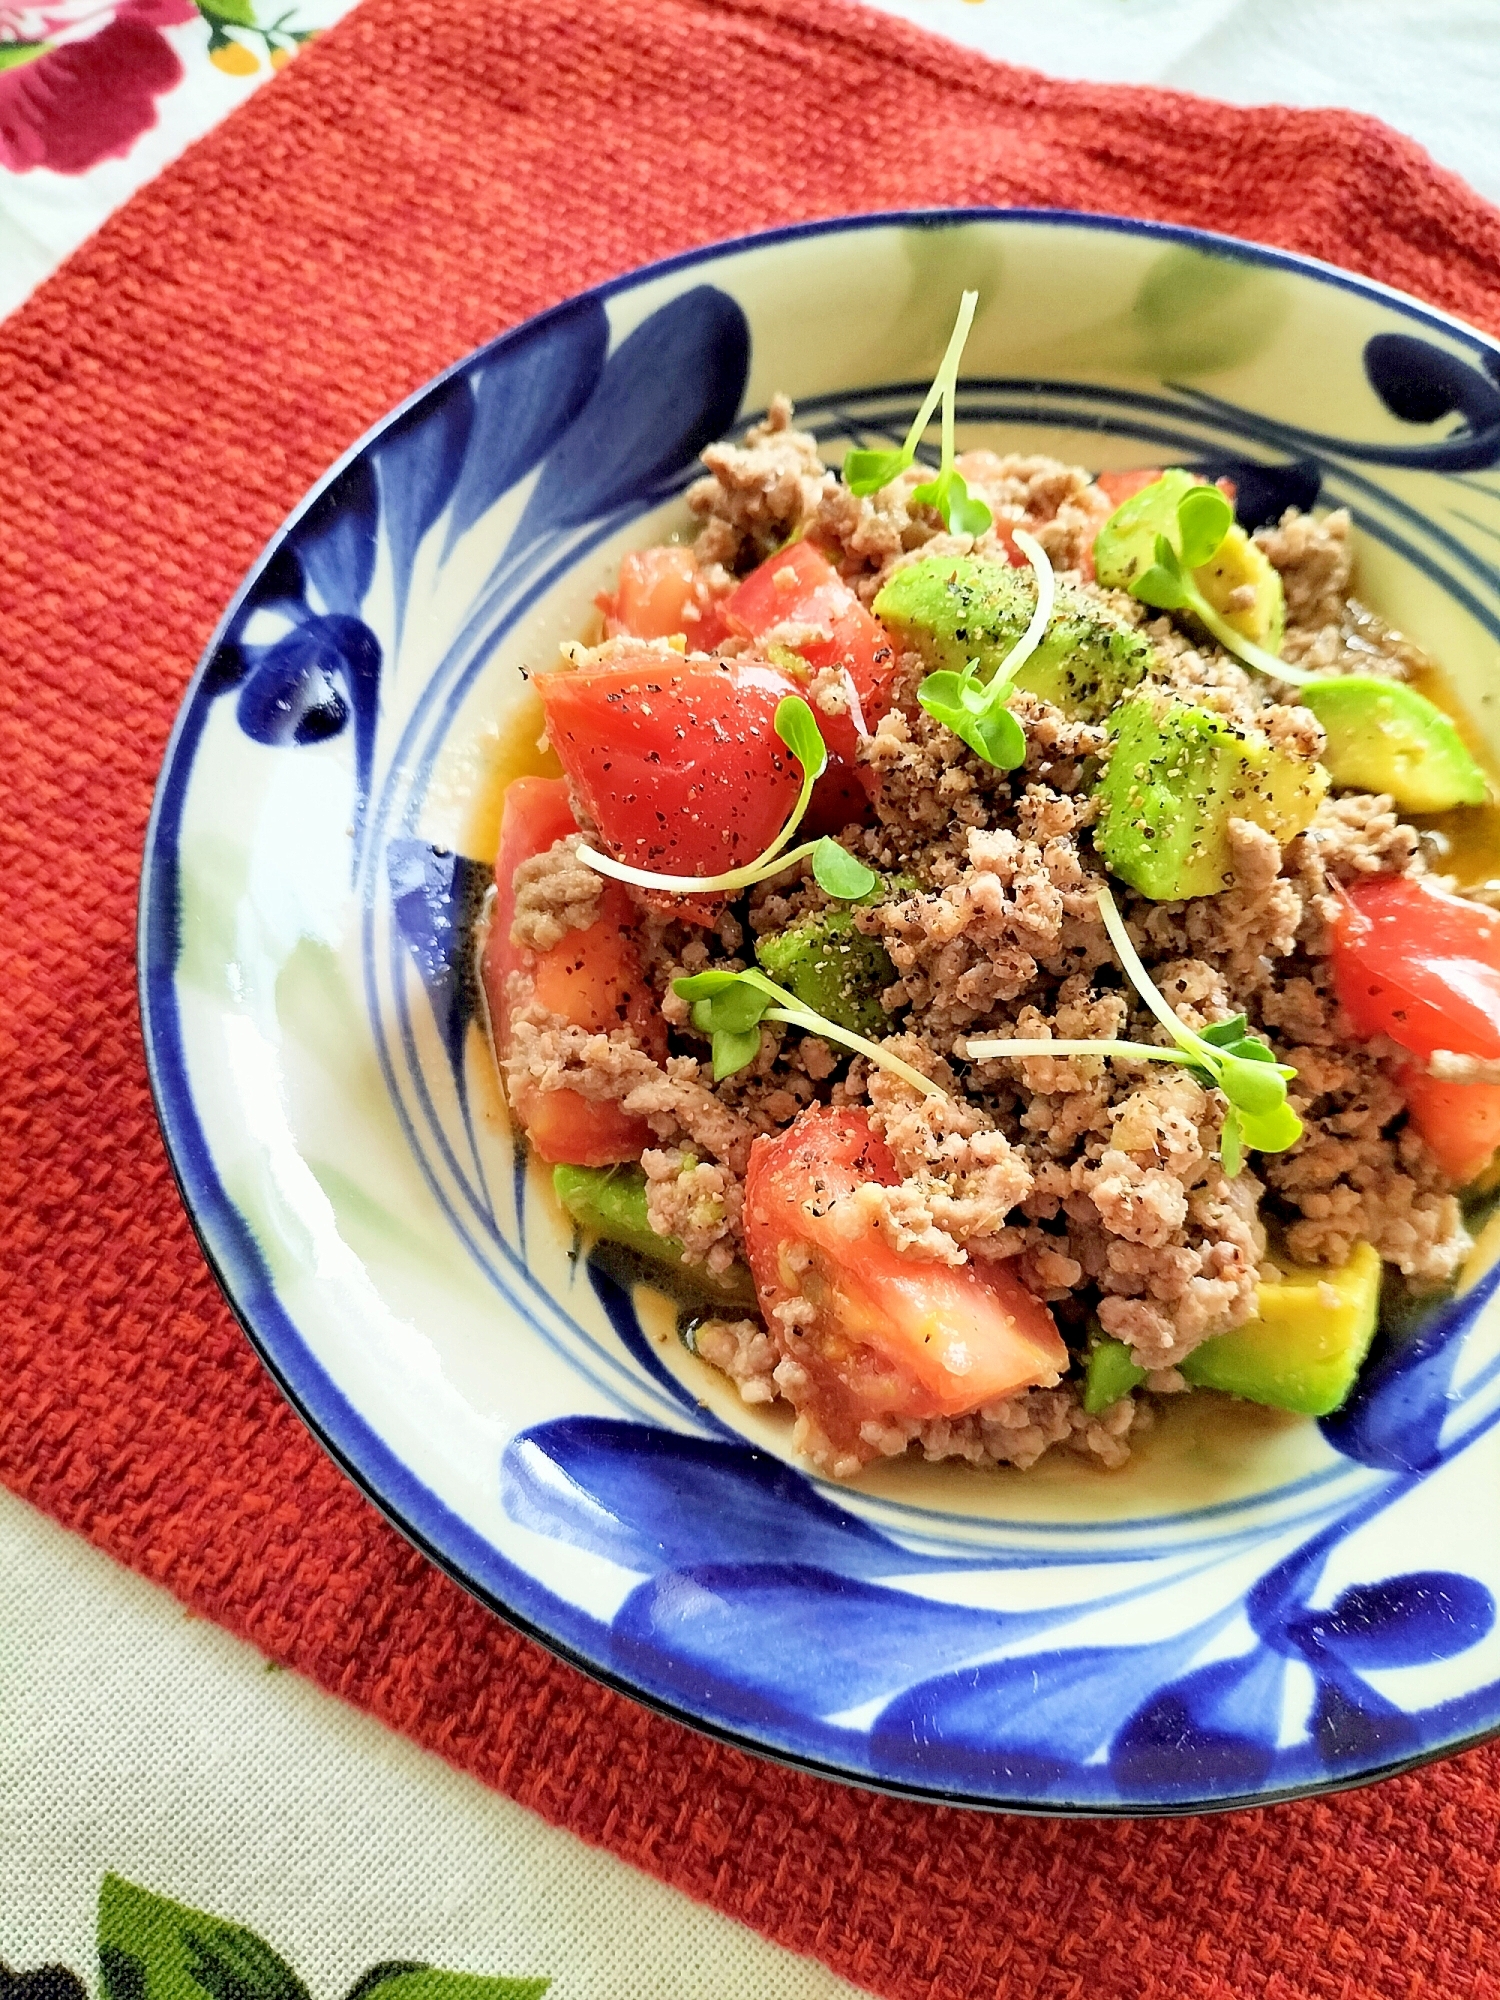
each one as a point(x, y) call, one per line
point(953, 609)
point(1236, 563)
point(1177, 775)
point(1111, 1373)
point(1385, 737)
point(833, 968)
point(1126, 546)
point(1303, 1349)
point(611, 1202)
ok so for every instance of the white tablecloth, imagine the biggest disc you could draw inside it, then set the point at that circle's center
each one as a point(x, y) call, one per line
point(1429, 67)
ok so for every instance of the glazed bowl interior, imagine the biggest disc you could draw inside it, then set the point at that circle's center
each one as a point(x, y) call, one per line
point(1256, 1605)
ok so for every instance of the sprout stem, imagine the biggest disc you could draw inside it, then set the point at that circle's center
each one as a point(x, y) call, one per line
point(1046, 593)
point(947, 373)
point(1136, 972)
point(1242, 648)
point(814, 1024)
point(772, 862)
point(989, 1050)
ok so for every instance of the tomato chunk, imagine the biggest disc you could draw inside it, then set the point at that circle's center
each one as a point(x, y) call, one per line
point(1423, 967)
point(1459, 1122)
point(592, 978)
point(890, 1335)
point(659, 596)
point(1118, 487)
point(679, 767)
point(799, 587)
point(1419, 965)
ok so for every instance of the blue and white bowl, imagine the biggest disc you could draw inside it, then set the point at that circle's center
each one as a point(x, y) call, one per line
point(1257, 1606)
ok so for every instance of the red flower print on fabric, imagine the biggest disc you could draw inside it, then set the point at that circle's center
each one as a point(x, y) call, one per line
point(79, 81)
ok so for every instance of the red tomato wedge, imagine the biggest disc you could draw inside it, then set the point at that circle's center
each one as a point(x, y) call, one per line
point(679, 767)
point(1419, 965)
point(893, 1335)
point(658, 597)
point(800, 587)
point(1459, 1122)
point(1118, 487)
point(592, 978)
point(1423, 967)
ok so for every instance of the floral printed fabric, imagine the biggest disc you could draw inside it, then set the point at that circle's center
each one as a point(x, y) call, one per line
point(96, 96)
point(80, 81)
point(179, 1822)
point(151, 1948)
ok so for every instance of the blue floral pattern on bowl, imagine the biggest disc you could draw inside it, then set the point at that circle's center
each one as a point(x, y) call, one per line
point(1309, 1608)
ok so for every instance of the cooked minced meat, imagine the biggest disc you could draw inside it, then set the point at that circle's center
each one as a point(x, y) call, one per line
point(1100, 1183)
point(555, 893)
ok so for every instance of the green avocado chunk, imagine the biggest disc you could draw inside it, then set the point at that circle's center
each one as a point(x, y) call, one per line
point(953, 609)
point(1385, 737)
point(1126, 546)
point(1111, 1374)
point(1177, 775)
point(1236, 565)
point(833, 968)
point(611, 1202)
point(1302, 1351)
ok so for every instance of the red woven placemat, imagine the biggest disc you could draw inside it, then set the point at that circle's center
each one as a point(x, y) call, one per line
point(433, 172)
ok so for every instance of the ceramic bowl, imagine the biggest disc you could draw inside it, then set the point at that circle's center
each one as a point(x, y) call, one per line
point(1256, 1606)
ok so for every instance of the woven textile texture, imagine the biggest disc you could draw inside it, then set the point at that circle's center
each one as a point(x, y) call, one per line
point(430, 174)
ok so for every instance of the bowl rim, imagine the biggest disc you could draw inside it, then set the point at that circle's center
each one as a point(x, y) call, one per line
point(411, 1507)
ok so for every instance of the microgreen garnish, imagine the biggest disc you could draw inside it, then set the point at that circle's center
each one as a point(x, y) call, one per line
point(730, 1006)
point(975, 710)
point(835, 869)
point(866, 472)
point(1225, 1055)
point(1155, 540)
point(838, 873)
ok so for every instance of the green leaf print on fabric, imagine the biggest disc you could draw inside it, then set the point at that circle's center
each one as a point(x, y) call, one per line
point(151, 1948)
point(254, 38)
point(43, 1982)
point(238, 13)
point(121, 1975)
point(425, 1982)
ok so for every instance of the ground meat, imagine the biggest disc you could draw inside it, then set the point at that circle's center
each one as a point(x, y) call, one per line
point(1060, 504)
point(676, 1102)
point(868, 533)
point(1359, 833)
point(873, 535)
point(1166, 1296)
point(549, 1053)
point(758, 493)
point(1357, 1171)
point(1099, 1182)
point(555, 894)
point(700, 1202)
point(968, 1174)
point(1316, 561)
point(746, 1353)
point(976, 942)
point(1241, 932)
point(1327, 630)
point(1014, 1432)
